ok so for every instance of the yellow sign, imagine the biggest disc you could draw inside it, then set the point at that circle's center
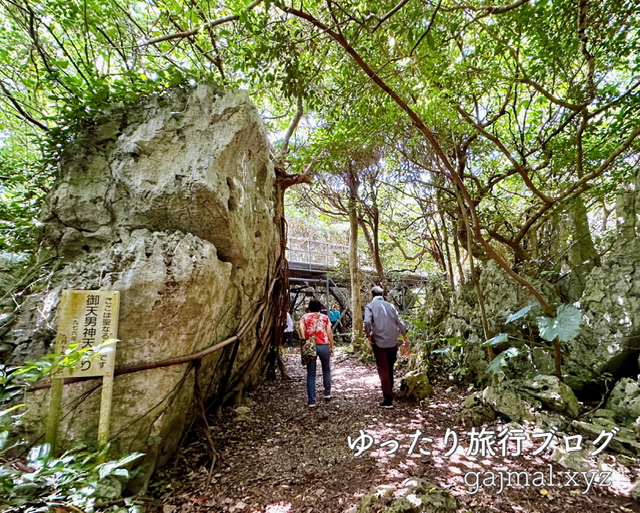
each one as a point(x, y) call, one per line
point(89, 318)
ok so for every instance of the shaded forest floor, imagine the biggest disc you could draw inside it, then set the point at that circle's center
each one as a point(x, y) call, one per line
point(284, 457)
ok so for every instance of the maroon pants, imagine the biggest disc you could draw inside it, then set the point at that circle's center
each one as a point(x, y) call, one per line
point(385, 359)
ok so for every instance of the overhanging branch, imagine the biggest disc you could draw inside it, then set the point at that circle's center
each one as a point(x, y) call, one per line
point(195, 31)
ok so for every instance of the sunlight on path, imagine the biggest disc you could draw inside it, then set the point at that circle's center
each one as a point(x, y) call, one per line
point(284, 457)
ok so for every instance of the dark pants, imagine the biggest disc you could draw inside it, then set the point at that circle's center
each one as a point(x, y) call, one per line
point(324, 353)
point(288, 338)
point(385, 359)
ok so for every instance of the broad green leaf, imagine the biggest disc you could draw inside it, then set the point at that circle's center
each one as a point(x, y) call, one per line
point(110, 468)
point(565, 326)
point(129, 458)
point(519, 314)
point(430, 41)
point(499, 363)
point(121, 472)
point(107, 469)
point(4, 436)
point(498, 339)
point(39, 453)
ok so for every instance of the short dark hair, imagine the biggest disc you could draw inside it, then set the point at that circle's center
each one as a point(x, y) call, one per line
point(315, 305)
point(377, 291)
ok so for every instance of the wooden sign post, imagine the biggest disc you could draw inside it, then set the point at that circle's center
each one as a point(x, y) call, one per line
point(88, 320)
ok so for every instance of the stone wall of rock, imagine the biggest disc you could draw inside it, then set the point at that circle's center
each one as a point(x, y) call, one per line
point(609, 341)
point(172, 202)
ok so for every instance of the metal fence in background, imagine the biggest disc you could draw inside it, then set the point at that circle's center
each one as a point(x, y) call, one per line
point(314, 252)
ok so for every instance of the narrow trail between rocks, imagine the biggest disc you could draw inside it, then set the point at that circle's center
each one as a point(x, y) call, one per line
point(284, 457)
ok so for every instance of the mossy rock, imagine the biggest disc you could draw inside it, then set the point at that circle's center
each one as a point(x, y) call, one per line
point(417, 385)
point(418, 497)
point(552, 393)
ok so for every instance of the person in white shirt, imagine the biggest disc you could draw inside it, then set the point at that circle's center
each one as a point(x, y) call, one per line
point(383, 326)
point(288, 331)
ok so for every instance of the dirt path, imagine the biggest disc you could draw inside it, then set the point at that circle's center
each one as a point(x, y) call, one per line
point(289, 458)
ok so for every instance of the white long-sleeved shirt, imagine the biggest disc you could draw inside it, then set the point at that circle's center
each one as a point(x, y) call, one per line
point(382, 323)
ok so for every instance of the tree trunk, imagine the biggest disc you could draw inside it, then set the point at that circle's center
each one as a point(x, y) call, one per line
point(445, 242)
point(357, 334)
point(374, 248)
point(583, 256)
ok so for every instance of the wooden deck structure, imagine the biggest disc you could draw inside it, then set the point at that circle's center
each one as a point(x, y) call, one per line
point(311, 264)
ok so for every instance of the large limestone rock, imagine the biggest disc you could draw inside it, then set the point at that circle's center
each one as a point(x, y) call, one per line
point(611, 306)
point(508, 401)
point(624, 442)
point(524, 400)
point(553, 394)
point(503, 297)
point(624, 401)
point(475, 412)
point(610, 339)
point(172, 203)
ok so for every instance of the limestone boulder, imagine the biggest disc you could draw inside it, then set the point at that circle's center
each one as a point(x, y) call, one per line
point(503, 297)
point(413, 496)
point(173, 202)
point(624, 440)
point(476, 416)
point(510, 402)
point(624, 401)
point(552, 393)
point(578, 460)
point(475, 412)
point(417, 385)
point(528, 400)
point(610, 304)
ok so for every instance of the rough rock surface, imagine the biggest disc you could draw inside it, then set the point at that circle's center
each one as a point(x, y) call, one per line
point(171, 202)
point(523, 400)
point(610, 339)
point(552, 393)
point(417, 385)
point(418, 496)
point(578, 461)
point(475, 412)
point(503, 297)
point(624, 442)
point(624, 401)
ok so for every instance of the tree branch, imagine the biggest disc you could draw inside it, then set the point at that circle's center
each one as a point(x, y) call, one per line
point(284, 149)
point(579, 186)
point(389, 14)
point(426, 32)
point(25, 115)
point(195, 31)
point(448, 170)
point(521, 171)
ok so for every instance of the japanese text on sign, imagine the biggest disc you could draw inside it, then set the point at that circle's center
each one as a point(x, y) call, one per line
point(89, 318)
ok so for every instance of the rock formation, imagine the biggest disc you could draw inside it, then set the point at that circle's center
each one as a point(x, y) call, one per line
point(608, 344)
point(172, 202)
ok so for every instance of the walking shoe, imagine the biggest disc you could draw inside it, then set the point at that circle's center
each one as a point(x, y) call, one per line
point(328, 397)
point(311, 405)
point(385, 405)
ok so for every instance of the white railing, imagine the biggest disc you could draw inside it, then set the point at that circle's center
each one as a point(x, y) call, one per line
point(314, 252)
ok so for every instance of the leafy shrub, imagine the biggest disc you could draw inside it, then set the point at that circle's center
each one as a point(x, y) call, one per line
point(32, 479)
point(564, 327)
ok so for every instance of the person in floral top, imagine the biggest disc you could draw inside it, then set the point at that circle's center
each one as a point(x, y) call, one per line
point(316, 324)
